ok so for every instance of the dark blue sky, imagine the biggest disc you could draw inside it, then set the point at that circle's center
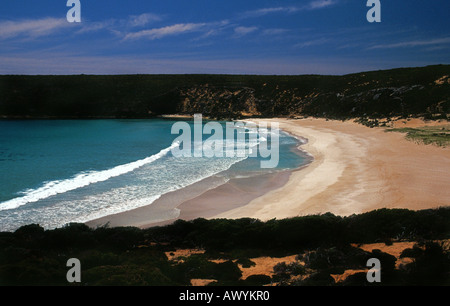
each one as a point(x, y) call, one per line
point(216, 36)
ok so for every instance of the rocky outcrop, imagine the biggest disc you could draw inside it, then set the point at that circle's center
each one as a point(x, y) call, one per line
point(218, 102)
point(402, 92)
point(346, 102)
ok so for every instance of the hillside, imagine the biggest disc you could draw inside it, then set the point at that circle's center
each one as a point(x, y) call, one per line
point(319, 249)
point(399, 92)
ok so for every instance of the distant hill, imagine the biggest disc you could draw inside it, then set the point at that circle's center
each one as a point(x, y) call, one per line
point(402, 92)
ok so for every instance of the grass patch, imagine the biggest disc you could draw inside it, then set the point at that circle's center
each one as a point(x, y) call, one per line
point(435, 135)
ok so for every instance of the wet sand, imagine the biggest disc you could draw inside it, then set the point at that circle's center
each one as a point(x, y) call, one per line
point(355, 169)
point(205, 199)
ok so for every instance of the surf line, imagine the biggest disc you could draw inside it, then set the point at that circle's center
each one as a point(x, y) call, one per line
point(256, 145)
point(80, 180)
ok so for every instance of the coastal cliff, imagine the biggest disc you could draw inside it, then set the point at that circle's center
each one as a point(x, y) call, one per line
point(401, 92)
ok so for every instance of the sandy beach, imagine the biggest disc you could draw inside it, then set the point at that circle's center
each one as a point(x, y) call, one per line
point(355, 169)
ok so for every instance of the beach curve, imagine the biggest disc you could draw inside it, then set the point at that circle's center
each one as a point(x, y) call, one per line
point(355, 169)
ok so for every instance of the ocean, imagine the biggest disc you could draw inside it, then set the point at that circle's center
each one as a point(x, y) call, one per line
point(55, 172)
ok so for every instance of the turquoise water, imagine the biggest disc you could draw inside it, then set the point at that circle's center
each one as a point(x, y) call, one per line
point(54, 172)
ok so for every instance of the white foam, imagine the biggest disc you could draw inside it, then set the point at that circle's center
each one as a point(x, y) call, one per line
point(80, 180)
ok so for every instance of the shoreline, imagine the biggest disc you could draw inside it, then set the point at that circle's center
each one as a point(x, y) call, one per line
point(204, 199)
point(355, 169)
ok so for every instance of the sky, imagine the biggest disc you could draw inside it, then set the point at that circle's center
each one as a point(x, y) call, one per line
point(331, 37)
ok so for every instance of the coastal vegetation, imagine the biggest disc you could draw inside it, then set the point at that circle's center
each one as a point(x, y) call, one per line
point(437, 135)
point(366, 96)
point(325, 245)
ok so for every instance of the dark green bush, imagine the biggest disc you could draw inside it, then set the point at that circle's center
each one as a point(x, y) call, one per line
point(131, 256)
